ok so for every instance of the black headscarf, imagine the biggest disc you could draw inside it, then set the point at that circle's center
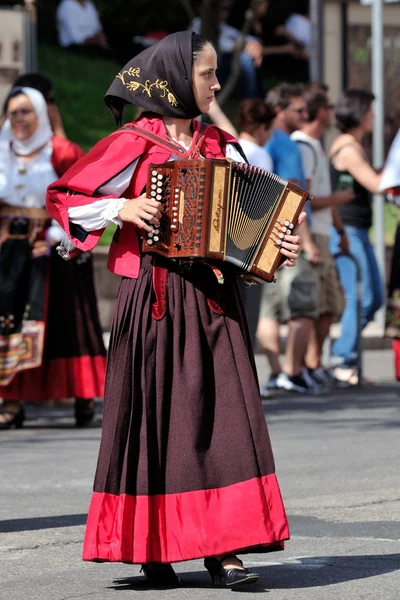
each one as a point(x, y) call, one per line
point(159, 79)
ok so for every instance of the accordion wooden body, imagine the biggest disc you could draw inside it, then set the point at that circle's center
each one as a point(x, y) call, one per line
point(221, 210)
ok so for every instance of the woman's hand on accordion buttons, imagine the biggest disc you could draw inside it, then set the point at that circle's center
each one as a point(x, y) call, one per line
point(142, 211)
point(291, 244)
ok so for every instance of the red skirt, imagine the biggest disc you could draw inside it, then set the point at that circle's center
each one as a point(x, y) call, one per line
point(73, 356)
point(185, 468)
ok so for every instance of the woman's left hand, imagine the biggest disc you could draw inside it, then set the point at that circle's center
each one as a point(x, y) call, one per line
point(291, 244)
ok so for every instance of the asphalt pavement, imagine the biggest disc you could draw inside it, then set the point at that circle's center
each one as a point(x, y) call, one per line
point(337, 458)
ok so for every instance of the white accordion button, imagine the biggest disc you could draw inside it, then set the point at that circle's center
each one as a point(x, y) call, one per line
point(153, 193)
point(291, 226)
point(156, 238)
point(159, 176)
point(287, 223)
point(154, 172)
point(153, 179)
point(150, 242)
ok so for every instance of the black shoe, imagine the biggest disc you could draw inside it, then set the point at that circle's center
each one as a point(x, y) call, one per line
point(221, 576)
point(84, 412)
point(11, 418)
point(297, 383)
point(161, 575)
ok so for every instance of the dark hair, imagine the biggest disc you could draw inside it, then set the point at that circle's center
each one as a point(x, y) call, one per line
point(16, 91)
point(253, 113)
point(316, 85)
point(198, 44)
point(37, 81)
point(302, 7)
point(351, 108)
point(314, 100)
point(281, 95)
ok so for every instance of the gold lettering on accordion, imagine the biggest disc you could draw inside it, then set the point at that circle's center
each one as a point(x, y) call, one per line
point(271, 251)
point(217, 210)
point(218, 214)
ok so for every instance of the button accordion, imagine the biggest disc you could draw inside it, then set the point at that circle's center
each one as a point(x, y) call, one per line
point(219, 209)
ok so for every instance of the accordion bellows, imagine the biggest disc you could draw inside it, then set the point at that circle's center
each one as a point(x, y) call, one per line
point(223, 210)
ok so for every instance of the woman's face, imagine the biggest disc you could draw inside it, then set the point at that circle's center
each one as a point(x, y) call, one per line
point(367, 122)
point(22, 116)
point(205, 82)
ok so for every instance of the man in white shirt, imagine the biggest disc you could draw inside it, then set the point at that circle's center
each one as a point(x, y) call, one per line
point(78, 24)
point(324, 214)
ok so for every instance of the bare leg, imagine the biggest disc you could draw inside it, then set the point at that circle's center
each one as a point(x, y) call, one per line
point(318, 335)
point(296, 347)
point(268, 335)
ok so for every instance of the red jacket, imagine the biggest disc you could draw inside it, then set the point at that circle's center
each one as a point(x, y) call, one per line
point(108, 158)
point(65, 154)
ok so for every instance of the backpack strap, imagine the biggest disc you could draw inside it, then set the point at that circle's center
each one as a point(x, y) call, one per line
point(314, 153)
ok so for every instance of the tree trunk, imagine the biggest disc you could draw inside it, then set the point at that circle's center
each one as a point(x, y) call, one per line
point(210, 20)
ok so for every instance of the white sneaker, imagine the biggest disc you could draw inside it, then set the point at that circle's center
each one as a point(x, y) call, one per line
point(296, 383)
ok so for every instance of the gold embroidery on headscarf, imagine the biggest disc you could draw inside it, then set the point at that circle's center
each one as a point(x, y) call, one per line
point(147, 86)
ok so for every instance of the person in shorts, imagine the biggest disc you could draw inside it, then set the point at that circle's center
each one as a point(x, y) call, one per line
point(293, 298)
point(324, 205)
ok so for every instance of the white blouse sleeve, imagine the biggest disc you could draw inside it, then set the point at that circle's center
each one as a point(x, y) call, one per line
point(104, 212)
point(234, 154)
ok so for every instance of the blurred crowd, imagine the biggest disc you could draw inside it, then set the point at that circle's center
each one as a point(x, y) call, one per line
point(281, 130)
point(269, 45)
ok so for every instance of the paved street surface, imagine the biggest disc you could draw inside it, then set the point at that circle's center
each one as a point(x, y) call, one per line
point(337, 461)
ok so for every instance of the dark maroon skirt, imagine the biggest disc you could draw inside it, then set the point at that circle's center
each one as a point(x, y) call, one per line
point(185, 467)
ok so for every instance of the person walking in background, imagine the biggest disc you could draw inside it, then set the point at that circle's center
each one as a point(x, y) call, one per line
point(51, 344)
point(179, 350)
point(324, 215)
point(255, 121)
point(293, 298)
point(390, 185)
point(350, 168)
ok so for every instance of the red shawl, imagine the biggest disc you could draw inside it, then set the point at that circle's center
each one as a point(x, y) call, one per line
point(77, 187)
